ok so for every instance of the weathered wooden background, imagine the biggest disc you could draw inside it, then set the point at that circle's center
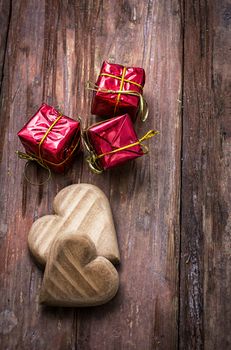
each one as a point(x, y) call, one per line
point(171, 208)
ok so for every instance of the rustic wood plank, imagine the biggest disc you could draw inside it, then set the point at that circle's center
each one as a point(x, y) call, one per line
point(53, 48)
point(205, 319)
point(28, 80)
point(5, 14)
point(149, 237)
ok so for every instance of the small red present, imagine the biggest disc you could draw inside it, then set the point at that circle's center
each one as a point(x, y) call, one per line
point(119, 90)
point(113, 142)
point(50, 138)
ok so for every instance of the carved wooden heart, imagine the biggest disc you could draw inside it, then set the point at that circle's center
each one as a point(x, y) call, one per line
point(83, 209)
point(75, 275)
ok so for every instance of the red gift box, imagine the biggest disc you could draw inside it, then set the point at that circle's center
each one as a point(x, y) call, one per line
point(113, 142)
point(50, 138)
point(127, 82)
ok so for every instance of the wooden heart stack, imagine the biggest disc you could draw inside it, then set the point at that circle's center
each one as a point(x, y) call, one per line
point(78, 247)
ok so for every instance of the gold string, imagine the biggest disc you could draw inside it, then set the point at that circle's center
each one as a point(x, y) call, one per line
point(92, 159)
point(39, 160)
point(121, 88)
point(42, 162)
point(46, 133)
point(94, 166)
point(30, 156)
point(143, 107)
point(147, 136)
point(119, 78)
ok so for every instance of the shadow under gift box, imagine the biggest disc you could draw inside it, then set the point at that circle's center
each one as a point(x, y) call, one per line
point(51, 138)
point(117, 77)
point(111, 135)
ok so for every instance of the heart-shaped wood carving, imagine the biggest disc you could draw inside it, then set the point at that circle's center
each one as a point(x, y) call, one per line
point(75, 275)
point(83, 209)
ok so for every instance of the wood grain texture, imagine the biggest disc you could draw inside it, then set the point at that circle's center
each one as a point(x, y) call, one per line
point(5, 17)
point(75, 275)
point(83, 209)
point(54, 47)
point(205, 318)
point(173, 232)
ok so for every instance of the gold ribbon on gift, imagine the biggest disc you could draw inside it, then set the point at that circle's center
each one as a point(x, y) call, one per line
point(143, 107)
point(92, 159)
point(39, 160)
point(122, 81)
point(120, 78)
point(120, 89)
point(46, 133)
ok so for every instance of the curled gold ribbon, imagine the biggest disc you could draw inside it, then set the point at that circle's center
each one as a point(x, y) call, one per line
point(143, 107)
point(92, 159)
point(30, 157)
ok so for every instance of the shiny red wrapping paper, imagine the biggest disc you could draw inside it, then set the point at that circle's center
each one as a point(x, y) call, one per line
point(110, 135)
point(61, 143)
point(103, 104)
